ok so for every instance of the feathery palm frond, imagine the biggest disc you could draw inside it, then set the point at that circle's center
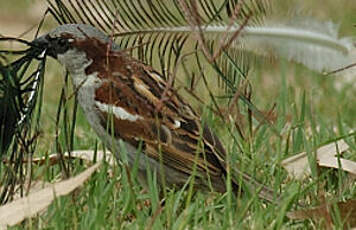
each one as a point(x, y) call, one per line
point(162, 25)
point(20, 91)
point(18, 96)
point(160, 29)
point(141, 16)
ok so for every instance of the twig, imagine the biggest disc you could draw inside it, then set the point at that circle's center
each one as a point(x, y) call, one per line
point(341, 69)
point(194, 20)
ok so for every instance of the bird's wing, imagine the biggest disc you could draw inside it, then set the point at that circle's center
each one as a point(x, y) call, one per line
point(143, 108)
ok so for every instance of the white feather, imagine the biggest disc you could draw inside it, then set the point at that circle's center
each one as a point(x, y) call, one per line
point(316, 50)
point(319, 49)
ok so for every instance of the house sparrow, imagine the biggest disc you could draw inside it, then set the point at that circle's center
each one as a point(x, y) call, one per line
point(124, 99)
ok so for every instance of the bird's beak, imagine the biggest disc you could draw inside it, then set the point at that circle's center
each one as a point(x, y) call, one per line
point(43, 43)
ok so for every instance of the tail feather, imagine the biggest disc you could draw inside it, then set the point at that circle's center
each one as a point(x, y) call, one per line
point(263, 191)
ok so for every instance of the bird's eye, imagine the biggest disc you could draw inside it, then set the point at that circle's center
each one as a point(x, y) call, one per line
point(62, 42)
point(61, 45)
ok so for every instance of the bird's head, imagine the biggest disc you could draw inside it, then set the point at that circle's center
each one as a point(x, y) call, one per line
point(72, 44)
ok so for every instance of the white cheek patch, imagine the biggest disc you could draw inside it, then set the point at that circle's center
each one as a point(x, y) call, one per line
point(119, 112)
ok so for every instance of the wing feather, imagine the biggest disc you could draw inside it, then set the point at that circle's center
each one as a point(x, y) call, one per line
point(174, 127)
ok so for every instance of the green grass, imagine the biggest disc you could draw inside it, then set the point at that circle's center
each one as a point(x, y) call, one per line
point(309, 104)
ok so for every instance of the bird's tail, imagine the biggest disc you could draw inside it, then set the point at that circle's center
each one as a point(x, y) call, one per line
point(253, 186)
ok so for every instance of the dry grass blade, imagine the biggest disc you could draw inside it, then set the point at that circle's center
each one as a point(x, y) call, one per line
point(346, 210)
point(26, 207)
point(194, 20)
point(334, 162)
point(35, 186)
point(88, 155)
point(298, 166)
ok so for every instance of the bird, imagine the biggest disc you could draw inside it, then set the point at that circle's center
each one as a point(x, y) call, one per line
point(131, 107)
